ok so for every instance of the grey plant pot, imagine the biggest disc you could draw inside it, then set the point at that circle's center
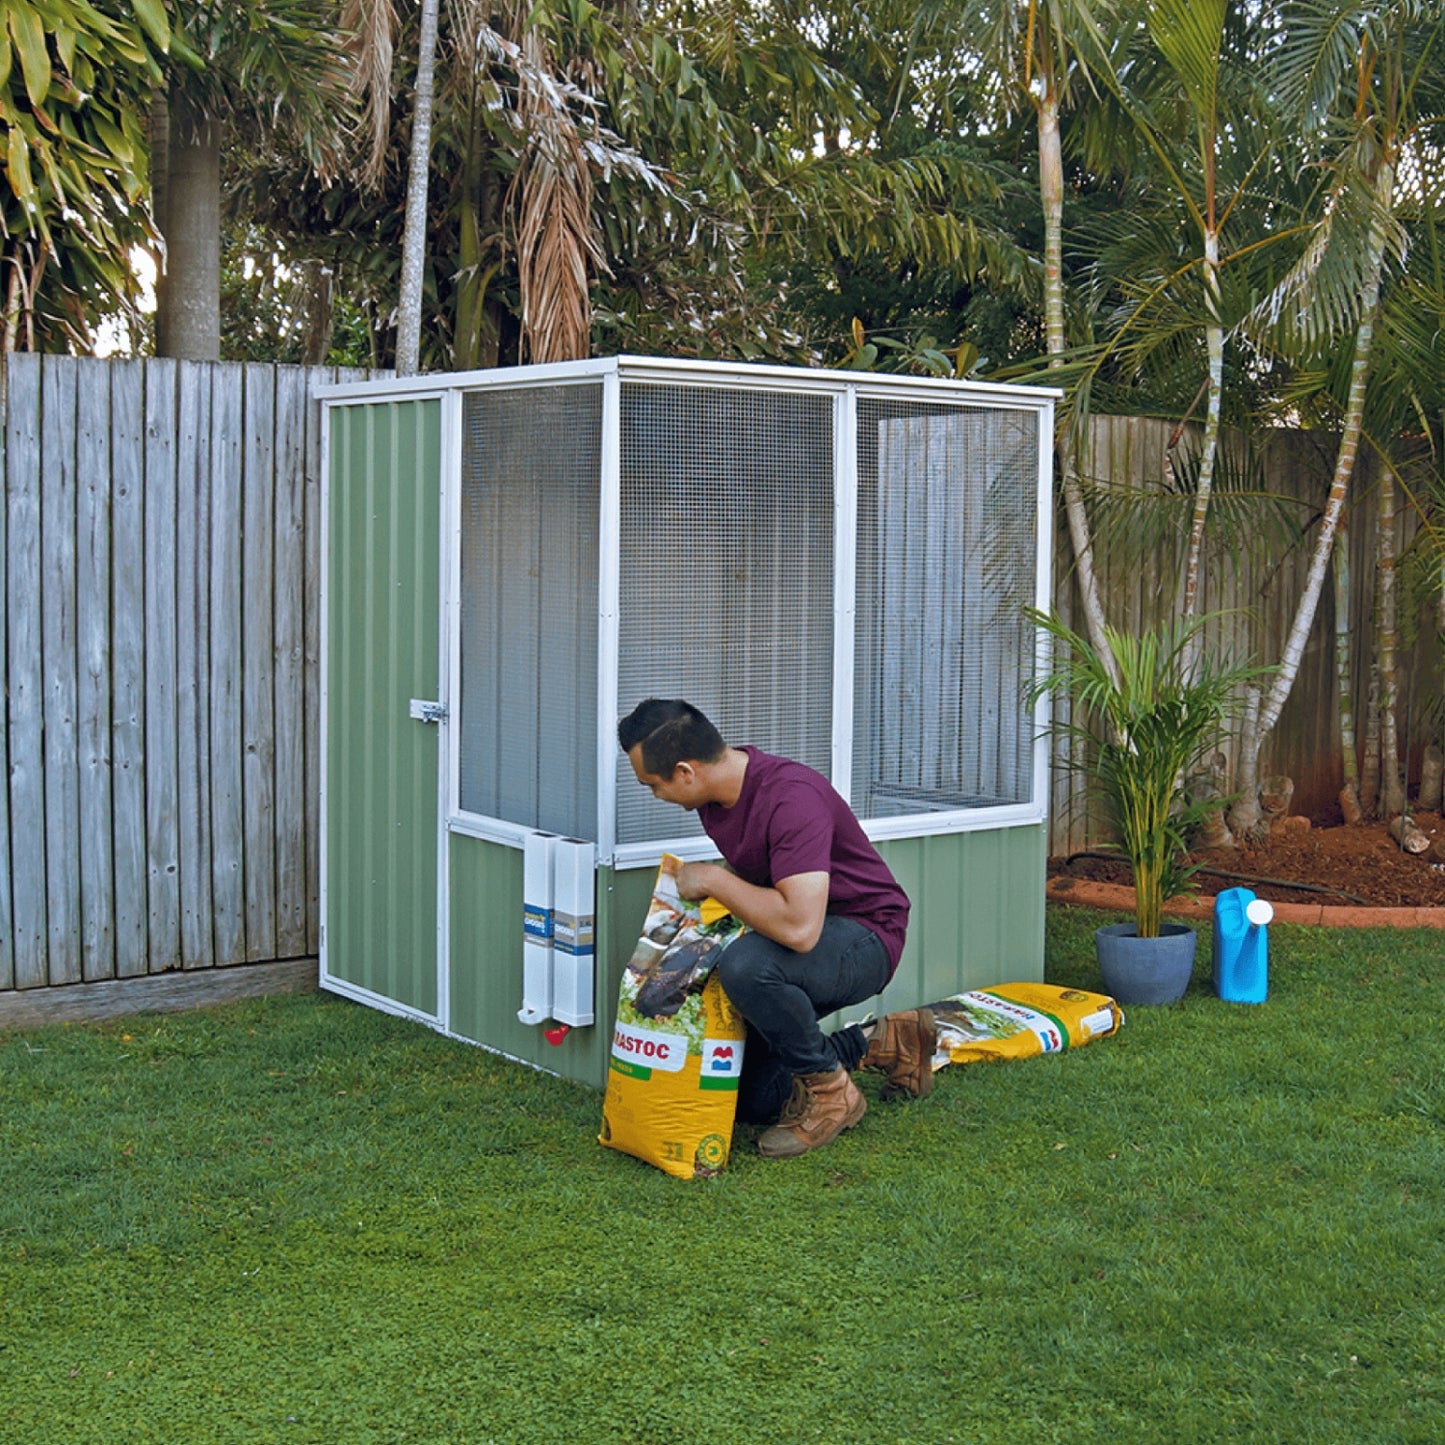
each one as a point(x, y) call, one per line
point(1145, 970)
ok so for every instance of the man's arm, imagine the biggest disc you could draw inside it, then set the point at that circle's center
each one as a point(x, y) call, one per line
point(791, 912)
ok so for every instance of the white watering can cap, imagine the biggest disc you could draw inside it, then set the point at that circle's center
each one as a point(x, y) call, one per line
point(1259, 911)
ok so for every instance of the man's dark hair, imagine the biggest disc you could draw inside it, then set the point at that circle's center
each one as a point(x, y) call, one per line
point(671, 732)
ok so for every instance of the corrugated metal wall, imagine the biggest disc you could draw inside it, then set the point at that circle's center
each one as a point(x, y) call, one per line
point(978, 911)
point(383, 607)
point(978, 918)
point(486, 961)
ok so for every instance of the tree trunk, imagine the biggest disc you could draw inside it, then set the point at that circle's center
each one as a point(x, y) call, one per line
point(158, 134)
point(476, 333)
point(413, 246)
point(1432, 768)
point(1349, 445)
point(1387, 638)
point(1340, 567)
point(187, 197)
point(317, 321)
point(26, 264)
point(1440, 643)
point(12, 308)
point(1244, 816)
point(1370, 768)
point(1051, 194)
point(1214, 340)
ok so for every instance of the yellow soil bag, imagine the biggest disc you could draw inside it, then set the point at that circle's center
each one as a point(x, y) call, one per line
point(1019, 1020)
point(677, 1047)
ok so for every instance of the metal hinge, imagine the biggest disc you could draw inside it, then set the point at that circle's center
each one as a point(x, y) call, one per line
point(428, 712)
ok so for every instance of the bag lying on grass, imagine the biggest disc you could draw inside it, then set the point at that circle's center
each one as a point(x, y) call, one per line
point(677, 1048)
point(1019, 1020)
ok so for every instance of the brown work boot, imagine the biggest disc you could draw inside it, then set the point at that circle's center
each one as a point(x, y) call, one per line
point(902, 1047)
point(822, 1106)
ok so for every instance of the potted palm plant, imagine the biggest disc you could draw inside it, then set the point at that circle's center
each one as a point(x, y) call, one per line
point(1147, 716)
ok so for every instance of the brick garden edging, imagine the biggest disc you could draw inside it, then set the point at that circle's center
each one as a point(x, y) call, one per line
point(1120, 897)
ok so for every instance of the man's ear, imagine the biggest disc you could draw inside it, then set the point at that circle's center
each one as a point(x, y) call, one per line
point(684, 772)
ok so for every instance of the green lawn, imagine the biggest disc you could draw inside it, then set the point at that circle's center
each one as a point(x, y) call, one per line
point(299, 1220)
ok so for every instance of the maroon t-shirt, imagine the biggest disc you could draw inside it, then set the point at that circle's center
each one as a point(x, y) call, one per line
point(789, 819)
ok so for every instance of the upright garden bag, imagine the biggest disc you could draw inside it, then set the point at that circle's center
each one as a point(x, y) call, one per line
point(677, 1048)
point(1019, 1020)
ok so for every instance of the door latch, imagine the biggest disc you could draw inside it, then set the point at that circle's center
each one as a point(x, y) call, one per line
point(428, 712)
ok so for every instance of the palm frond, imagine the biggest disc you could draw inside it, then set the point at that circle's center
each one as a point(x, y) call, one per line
point(551, 194)
point(1319, 44)
point(371, 25)
point(1189, 33)
point(1322, 297)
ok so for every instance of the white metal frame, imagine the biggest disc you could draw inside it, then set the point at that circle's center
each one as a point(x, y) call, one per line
point(323, 667)
point(609, 607)
point(846, 388)
point(845, 582)
point(448, 671)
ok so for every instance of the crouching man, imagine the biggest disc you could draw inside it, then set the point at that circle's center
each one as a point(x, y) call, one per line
point(828, 921)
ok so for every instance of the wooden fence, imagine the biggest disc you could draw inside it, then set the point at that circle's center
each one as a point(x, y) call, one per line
point(160, 553)
point(161, 527)
point(1253, 577)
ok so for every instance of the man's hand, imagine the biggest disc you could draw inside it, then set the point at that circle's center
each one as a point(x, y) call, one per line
point(791, 912)
point(693, 880)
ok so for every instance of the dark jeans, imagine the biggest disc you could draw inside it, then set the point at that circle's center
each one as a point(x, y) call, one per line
point(782, 995)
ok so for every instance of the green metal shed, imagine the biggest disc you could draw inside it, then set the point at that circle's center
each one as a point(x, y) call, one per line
point(833, 565)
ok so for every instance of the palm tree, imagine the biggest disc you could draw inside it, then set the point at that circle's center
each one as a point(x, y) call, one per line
point(261, 67)
point(1181, 117)
point(413, 245)
point(1350, 806)
point(653, 171)
point(1041, 52)
point(1353, 73)
point(519, 109)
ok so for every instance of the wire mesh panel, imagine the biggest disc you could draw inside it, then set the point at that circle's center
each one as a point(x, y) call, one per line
point(531, 469)
point(726, 567)
point(947, 517)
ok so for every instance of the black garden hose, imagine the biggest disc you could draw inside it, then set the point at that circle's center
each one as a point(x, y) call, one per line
point(1237, 877)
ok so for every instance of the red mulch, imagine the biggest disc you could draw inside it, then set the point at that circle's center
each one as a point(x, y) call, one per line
point(1358, 863)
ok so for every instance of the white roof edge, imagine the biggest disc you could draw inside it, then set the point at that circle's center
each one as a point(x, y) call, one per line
point(434, 383)
point(661, 367)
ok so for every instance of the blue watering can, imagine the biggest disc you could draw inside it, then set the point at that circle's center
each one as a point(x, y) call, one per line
point(1241, 946)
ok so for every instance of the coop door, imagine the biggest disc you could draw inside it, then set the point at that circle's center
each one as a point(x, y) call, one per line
point(382, 605)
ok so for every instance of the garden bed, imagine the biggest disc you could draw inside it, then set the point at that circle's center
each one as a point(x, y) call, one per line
point(1343, 864)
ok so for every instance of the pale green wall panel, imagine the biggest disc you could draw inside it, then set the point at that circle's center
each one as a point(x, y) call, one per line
point(486, 957)
point(383, 615)
point(978, 918)
point(978, 911)
point(628, 895)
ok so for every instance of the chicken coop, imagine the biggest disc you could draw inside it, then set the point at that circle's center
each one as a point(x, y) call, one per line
point(834, 566)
